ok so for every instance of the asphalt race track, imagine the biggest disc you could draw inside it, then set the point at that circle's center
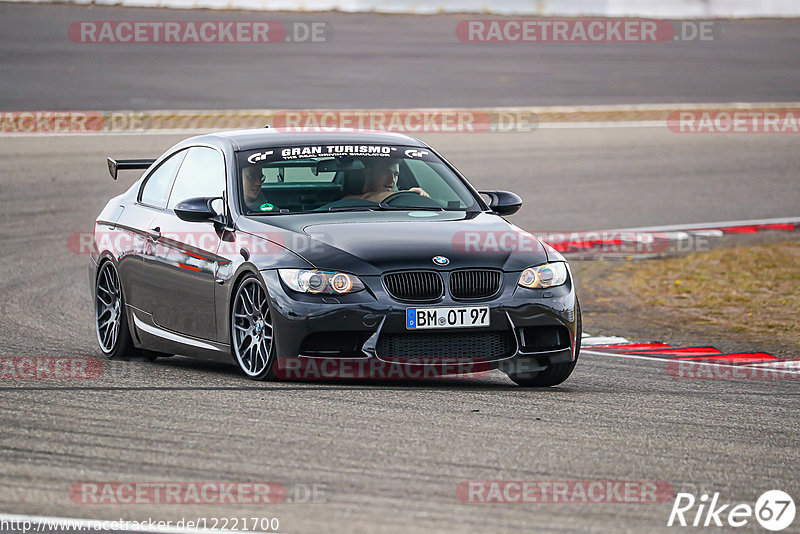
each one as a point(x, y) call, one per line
point(378, 61)
point(390, 455)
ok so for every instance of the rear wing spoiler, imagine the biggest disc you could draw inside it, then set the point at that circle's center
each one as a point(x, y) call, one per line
point(114, 166)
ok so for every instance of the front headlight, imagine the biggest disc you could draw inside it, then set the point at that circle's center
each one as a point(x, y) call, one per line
point(541, 276)
point(313, 281)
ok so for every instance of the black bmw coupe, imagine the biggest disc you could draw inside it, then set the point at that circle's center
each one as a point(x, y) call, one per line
point(269, 248)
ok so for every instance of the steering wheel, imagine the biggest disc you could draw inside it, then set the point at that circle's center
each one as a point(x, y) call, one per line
point(391, 199)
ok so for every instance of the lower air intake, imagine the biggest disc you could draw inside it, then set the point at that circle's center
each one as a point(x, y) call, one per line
point(446, 346)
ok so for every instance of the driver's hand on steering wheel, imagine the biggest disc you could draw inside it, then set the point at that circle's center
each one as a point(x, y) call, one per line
point(419, 191)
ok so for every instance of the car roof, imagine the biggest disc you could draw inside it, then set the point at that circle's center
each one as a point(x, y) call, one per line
point(266, 137)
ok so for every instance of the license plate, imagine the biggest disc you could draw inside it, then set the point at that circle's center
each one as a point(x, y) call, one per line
point(419, 318)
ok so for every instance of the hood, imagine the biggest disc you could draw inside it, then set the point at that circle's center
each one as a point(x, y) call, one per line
point(370, 243)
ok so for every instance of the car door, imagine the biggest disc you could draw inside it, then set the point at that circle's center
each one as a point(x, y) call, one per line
point(134, 222)
point(182, 266)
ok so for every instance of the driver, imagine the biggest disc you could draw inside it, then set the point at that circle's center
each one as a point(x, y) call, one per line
point(252, 178)
point(380, 180)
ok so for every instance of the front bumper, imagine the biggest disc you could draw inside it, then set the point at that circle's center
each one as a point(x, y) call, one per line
point(540, 326)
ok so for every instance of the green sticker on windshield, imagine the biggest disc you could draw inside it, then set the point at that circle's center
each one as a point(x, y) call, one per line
point(266, 206)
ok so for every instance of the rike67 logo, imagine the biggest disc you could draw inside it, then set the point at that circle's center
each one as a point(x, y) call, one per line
point(774, 510)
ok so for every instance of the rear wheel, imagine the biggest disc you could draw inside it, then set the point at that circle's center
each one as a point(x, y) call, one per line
point(110, 319)
point(555, 374)
point(251, 329)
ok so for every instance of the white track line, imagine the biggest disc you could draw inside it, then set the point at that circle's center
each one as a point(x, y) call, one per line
point(172, 131)
point(196, 131)
point(601, 124)
point(707, 233)
point(183, 131)
point(606, 340)
point(67, 524)
point(789, 364)
point(628, 356)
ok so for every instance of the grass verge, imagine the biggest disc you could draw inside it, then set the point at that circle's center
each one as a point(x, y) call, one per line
point(746, 289)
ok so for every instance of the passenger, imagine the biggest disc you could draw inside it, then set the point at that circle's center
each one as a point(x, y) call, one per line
point(380, 180)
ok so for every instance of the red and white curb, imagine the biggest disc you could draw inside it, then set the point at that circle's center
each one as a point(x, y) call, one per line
point(701, 362)
point(658, 239)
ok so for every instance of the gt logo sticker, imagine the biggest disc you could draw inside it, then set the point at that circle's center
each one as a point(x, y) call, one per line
point(259, 156)
point(411, 153)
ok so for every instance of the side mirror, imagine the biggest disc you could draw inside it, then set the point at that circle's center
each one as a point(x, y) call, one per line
point(196, 209)
point(503, 202)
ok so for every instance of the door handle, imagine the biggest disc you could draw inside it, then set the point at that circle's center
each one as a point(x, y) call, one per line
point(154, 233)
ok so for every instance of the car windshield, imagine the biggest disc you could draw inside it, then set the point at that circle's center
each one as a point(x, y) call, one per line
point(299, 179)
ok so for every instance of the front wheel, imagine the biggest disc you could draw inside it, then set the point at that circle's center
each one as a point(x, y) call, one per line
point(110, 319)
point(555, 374)
point(251, 329)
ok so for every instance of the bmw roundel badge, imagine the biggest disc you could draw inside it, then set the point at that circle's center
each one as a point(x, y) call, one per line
point(440, 260)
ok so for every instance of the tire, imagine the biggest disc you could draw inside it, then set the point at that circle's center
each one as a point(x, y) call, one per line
point(555, 374)
point(252, 333)
point(110, 317)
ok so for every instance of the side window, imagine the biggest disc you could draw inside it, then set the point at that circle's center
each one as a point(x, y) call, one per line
point(428, 179)
point(156, 187)
point(201, 175)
